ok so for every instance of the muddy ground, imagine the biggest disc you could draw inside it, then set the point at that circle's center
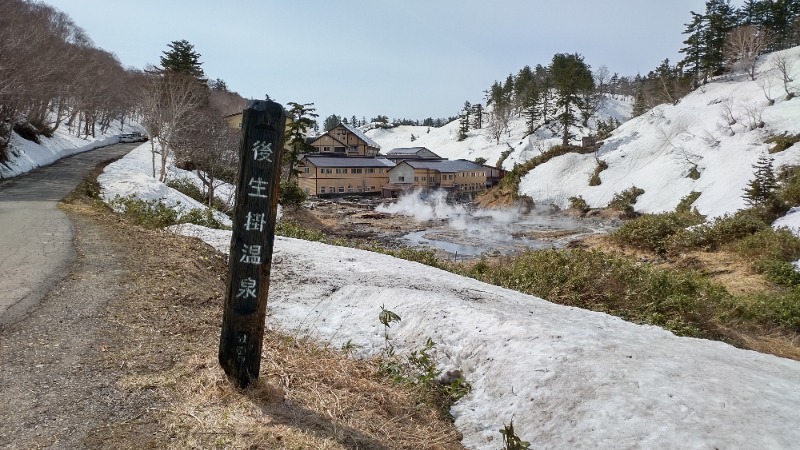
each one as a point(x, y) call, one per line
point(357, 219)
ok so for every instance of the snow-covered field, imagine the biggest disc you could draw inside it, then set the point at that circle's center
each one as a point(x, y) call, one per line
point(565, 376)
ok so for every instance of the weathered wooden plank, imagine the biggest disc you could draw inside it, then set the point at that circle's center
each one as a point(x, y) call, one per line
point(261, 148)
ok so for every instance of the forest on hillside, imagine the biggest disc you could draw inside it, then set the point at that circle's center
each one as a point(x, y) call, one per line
point(566, 92)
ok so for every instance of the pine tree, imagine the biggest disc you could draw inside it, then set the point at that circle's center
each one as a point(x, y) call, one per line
point(463, 128)
point(721, 19)
point(218, 85)
point(477, 116)
point(330, 122)
point(182, 58)
point(571, 78)
point(694, 50)
point(762, 190)
point(303, 117)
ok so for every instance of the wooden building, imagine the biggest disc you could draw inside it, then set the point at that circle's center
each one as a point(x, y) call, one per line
point(398, 155)
point(327, 175)
point(458, 175)
point(346, 140)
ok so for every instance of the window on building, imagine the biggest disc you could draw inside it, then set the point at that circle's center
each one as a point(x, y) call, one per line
point(424, 178)
point(358, 188)
point(416, 179)
point(322, 189)
point(305, 169)
point(370, 170)
point(341, 188)
point(339, 170)
point(355, 170)
point(401, 178)
point(338, 149)
point(349, 188)
point(326, 149)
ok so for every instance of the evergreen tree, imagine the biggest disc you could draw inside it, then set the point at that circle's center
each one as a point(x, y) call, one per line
point(477, 116)
point(695, 49)
point(721, 19)
point(330, 122)
point(463, 119)
point(571, 78)
point(303, 117)
point(763, 189)
point(751, 13)
point(218, 85)
point(182, 58)
point(781, 18)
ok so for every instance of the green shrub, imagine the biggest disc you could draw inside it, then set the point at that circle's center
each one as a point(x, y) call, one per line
point(579, 204)
point(782, 309)
point(685, 205)
point(156, 214)
point(624, 201)
point(186, 187)
point(202, 216)
point(681, 301)
point(654, 232)
point(724, 230)
point(289, 229)
point(782, 142)
point(789, 185)
point(768, 243)
point(694, 174)
point(503, 156)
point(148, 214)
point(290, 193)
point(595, 180)
point(772, 252)
point(779, 272)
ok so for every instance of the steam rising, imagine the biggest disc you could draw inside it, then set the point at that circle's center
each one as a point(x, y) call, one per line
point(465, 230)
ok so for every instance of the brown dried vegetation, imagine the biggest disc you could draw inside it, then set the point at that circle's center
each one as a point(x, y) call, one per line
point(166, 344)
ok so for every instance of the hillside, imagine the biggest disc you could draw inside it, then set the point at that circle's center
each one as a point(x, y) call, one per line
point(480, 143)
point(720, 129)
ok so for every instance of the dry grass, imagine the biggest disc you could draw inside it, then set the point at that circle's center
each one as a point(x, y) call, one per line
point(307, 397)
point(730, 270)
point(724, 267)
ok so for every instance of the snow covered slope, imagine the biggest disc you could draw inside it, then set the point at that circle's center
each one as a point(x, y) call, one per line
point(720, 129)
point(715, 128)
point(480, 143)
point(25, 156)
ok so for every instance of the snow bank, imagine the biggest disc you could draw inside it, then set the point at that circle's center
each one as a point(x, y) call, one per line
point(567, 377)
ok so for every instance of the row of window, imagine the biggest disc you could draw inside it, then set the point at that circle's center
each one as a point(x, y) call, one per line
point(346, 170)
point(342, 189)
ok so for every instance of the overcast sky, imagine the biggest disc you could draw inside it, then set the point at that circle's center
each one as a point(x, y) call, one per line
point(403, 58)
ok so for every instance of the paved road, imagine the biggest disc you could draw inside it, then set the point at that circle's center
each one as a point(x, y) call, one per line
point(35, 236)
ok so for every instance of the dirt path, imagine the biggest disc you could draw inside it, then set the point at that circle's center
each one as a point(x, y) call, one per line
point(35, 236)
point(54, 385)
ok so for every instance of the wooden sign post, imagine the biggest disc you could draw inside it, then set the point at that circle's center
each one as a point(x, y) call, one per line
point(263, 124)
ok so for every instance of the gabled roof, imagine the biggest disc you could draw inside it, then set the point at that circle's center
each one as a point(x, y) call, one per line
point(351, 161)
point(360, 135)
point(409, 151)
point(444, 166)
